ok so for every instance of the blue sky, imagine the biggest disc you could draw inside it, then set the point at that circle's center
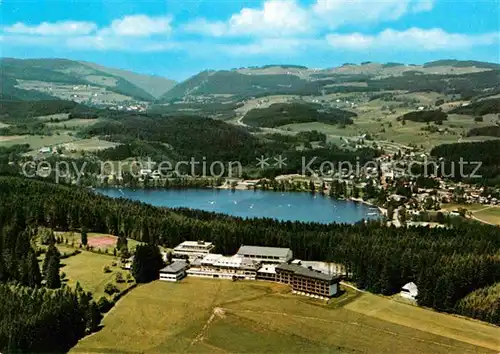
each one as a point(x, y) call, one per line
point(176, 38)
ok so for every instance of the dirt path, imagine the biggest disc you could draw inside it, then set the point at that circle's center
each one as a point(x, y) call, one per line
point(217, 312)
point(482, 209)
point(481, 220)
point(352, 287)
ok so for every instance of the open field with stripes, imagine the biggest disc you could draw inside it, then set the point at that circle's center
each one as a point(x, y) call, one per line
point(217, 316)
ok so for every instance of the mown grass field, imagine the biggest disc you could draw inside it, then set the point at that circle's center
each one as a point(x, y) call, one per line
point(87, 268)
point(35, 141)
point(487, 213)
point(217, 316)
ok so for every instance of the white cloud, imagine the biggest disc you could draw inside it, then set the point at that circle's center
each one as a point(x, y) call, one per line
point(412, 39)
point(268, 46)
point(278, 18)
point(139, 25)
point(423, 6)
point(120, 43)
point(274, 19)
point(203, 26)
point(62, 28)
point(135, 33)
point(336, 13)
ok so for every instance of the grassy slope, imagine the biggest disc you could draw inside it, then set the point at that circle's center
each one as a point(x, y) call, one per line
point(373, 121)
point(87, 269)
point(35, 141)
point(64, 71)
point(154, 85)
point(203, 315)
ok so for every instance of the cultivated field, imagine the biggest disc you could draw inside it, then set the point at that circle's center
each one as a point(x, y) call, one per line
point(72, 123)
point(35, 141)
point(379, 119)
point(77, 93)
point(51, 117)
point(204, 315)
point(387, 128)
point(90, 144)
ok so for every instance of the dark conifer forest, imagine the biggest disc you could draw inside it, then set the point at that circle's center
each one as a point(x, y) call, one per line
point(480, 160)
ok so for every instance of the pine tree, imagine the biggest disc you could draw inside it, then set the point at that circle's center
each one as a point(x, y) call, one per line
point(147, 263)
point(122, 243)
point(84, 237)
point(52, 277)
point(50, 268)
point(34, 278)
point(51, 251)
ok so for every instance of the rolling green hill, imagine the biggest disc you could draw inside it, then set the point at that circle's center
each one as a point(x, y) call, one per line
point(18, 73)
point(22, 111)
point(462, 64)
point(279, 114)
point(479, 108)
point(154, 85)
point(467, 78)
point(233, 83)
point(182, 136)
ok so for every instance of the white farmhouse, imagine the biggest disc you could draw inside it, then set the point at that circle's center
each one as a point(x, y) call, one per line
point(409, 291)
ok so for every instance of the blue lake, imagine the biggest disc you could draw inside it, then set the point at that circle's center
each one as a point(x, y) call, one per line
point(292, 206)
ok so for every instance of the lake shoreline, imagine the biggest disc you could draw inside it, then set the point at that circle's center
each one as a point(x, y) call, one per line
point(280, 205)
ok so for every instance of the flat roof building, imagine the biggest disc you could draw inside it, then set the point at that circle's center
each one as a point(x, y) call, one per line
point(225, 267)
point(307, 281)
point(266, 254)
point(267, 272)
point(175, 271)
point(193, 249)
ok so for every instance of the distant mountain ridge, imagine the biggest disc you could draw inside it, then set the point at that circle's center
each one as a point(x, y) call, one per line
point(19, 78)
point(42, 79)
point(296, 79)
point(152, 84)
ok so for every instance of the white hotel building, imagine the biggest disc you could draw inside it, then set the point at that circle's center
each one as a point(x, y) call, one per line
point(175, 271)
point(265, 254)
point(224, 267)
point(193, 249)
